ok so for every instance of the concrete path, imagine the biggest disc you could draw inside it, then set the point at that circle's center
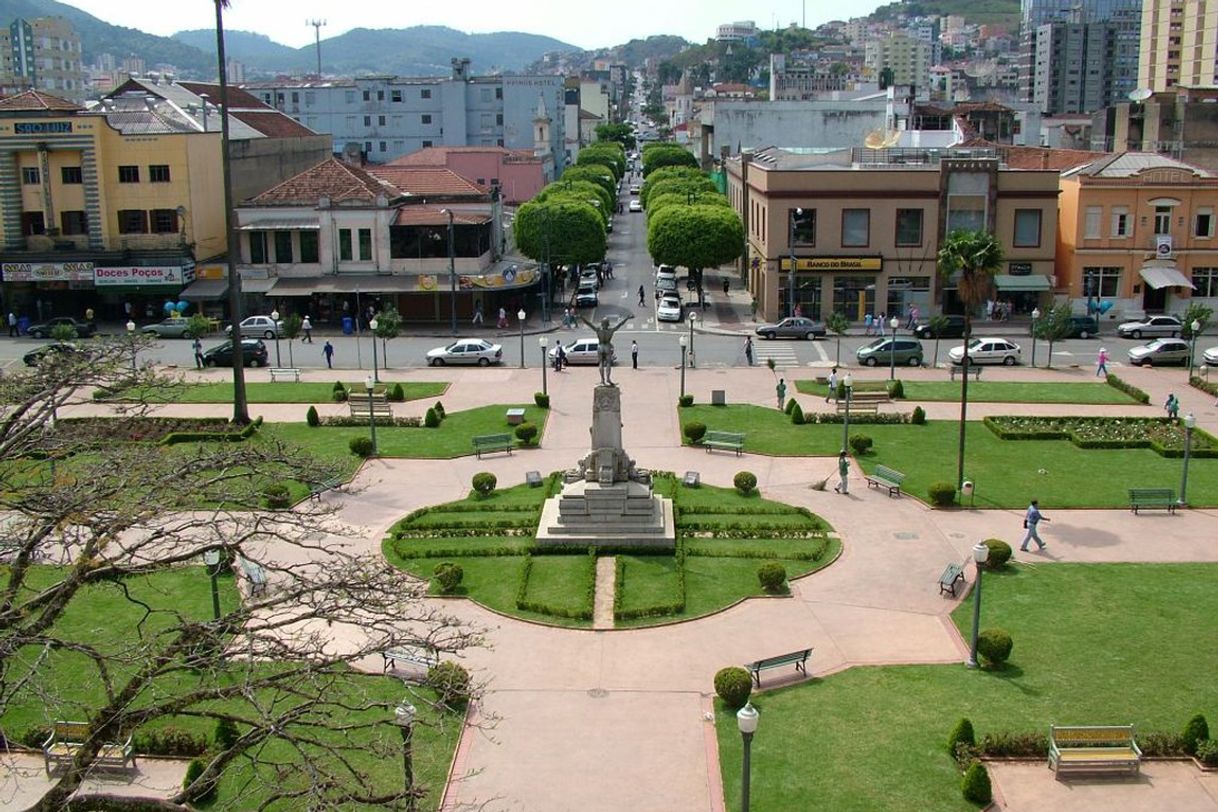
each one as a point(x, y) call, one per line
point(23, 781)
point(1163, 786)
point(606, 580)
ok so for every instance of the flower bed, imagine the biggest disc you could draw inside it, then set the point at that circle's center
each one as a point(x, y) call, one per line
point(166, 430)
point(1160, 434)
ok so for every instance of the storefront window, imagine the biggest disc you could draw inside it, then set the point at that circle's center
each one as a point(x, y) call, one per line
point(854, 296)
point(308, 246)
point(283, 246)
point(1102, 282)
point(807, 295)
point(1205, 280)
point(257, 247)
point(905, 292)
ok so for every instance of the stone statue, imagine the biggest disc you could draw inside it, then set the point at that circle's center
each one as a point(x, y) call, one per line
point(604, 340)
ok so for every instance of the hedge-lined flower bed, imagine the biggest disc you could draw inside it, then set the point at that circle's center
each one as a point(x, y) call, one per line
point(1160, 434)
point(165, 430)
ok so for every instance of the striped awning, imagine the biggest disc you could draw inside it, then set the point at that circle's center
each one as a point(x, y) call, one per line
point(1014, 284)
point(1162, 276)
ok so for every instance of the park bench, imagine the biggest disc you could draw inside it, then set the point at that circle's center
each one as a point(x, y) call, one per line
point(1093, 748)
point(952, 574)
point(972, 369)
point(363, 406)
point(885, 477)
point(869, 396)
point(285, 373)
point(493, 442)
point(797, 658)
point(68, 737)
point(727, 440)
point(858, 408)
point(256, 575)
point(1152, 498)
point(329, 484)
point(423, 657)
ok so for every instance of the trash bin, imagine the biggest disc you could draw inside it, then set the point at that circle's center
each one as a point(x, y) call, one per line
point(966, 488)
point(348, 325)
point(23, 325)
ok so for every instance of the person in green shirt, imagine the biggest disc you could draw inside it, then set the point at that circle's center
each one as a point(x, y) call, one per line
point(843, 472)
point(781, 389)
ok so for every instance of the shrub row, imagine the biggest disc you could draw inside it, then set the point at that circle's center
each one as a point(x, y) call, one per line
point(745, 510)
point(1128, 388)
point(1159, 434)
point(461, 532)
point(498, 551)
point(730, 530)
point(1206, 386)
point(348, 422)
point(473, 507)
point(165, 741)
point(815, 552)
point(880, 418)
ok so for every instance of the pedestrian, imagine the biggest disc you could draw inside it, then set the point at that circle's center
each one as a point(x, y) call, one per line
point(502, 319)
point(832, 393)
point(88, 314)
point(879, 325)
point(867, 325)
point(198, 346)
point(478, 313)
point(12, 324)
point(634, 354)
point(1101, 363)
point(328, 352)
point(799, 310)
point(1172, 406)
point(781, 390)
point(727, 285)
point(642, 302)
point(913, 317)
point(748, 350)
point(843, 473)
point(568, 320)
point(307, 326)
point(1030, 519)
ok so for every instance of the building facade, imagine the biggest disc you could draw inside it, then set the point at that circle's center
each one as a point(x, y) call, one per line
point(908, 57)
point(518, 175)
point(42, 54)
point(1179, 44)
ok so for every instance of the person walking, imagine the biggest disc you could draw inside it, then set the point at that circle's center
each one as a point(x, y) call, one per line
point(1101, 363)
point(843, 473)
point(642, 297)
point(1032, 518)
point(781, 391)
point(748, 350)
point(307, 326)
point(634, 354)
point(328, 352)
point(727, 285)
point(502, 323)
point(867, 324)
point(1172, 406)
point(12, 324)
point(198, 347)
point(832, 394)
point(478, 313)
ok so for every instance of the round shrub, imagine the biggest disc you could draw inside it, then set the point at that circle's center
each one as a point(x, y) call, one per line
point(448, 576)
point(361, 446)
point(397, 394)
point(745, 482)
point(733, 685)
point(226, 733)
point(484, 483)
point(994, 645)
point(860, 444)
point(695, 431)
point(526, 433)
point(1000, 554)
point(962, 733)
point(339, 395)
point(896, 390)
point(312, 418)
point(772, 576)
point(277, 496)
point(205, 793)
point(918, 418)
point(685, 400)
point(797, 415)
point(542, 400)
point(1207, 752)
point(338, 387)
point(942, 494)
point(451, 681)
point(1196, 731)
point(432, 419)
point(439, 407)
point(976, 784)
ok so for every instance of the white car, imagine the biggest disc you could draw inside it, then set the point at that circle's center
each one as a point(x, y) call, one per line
point(636, 206)
point(582, 351)
point(1211, 357)
point(988, 351)
point(466, 351)
point(635, 188)
point(258, 327)
point(669, 309)
point(1163, 326)
point(666, 272)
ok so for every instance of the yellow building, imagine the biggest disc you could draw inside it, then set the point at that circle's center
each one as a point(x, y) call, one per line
point(1179, 44)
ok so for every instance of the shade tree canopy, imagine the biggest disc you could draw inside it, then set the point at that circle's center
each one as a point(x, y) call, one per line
point(698, 236)
point(599, 174)
point(659, 155)
point(605, 153)
point(560, 230)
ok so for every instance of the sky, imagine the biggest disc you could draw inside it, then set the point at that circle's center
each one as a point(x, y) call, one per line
point(588, 25)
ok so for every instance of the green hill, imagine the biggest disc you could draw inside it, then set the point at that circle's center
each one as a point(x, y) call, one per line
point(987, 12)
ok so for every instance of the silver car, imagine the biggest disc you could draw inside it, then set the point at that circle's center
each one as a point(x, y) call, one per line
point(1168, 326)
point(1160, 351)
point(466, 351)
point(987, 351)
point(258, 327)
point(169, 328)
point(793, 327)
point(582, 351)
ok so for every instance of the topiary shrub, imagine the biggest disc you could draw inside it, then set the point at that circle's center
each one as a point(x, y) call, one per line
point(695, 431)
point(439, 407)
point(860, 444)
point(542, 400)
point(361, 446)
point(1207, 752)
point(772, 576)
point(918, 418)
point(962, 733)
point(339, 394)
point(994, 645)
point(976, 784)
point(204, 793)
point(277, 495)
point(797, 415)
point(896, 390)
point(451, 681)
point(484, 483)
point(397, 394)
point(1000, 554)
point(1196, 731)
point(791, 404)
point(338, 387)
point(942, 494)
point(526, 433)
point(733, 685)
point(312, 418)
point(448, 576)
point(685, 400)
point(432, 419)
point(226, 733)
point(745, 482)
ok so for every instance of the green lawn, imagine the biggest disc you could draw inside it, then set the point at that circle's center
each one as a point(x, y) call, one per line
point(767, 431)
point(291, 392)
point(1098, 392)
point(874, 738)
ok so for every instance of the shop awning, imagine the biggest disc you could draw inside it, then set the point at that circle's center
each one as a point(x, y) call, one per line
point(1160, 276)
point(282, 224)
point(204, 289)
point(1007, 283)
point(257, 285)
point(307, 286)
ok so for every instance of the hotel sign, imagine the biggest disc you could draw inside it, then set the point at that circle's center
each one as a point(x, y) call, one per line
point(834, 264)
point(47, 271)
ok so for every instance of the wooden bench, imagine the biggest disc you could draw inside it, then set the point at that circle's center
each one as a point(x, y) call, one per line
point(421, 656)
point(1094, 748)
point(858, 408)
point(797, 658)
point(256, 575)
point(330, 484)
point(361, 406)
point(972, 369)
point(1152, 498)
point(952, 574)
point(493, 442)
point(515, 417)
point(885, 477)
point(68, 737)
point(727, 440)
point(869, 396)
point(285, 373)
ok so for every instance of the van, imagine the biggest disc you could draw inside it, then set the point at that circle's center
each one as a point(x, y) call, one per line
point(907, 351)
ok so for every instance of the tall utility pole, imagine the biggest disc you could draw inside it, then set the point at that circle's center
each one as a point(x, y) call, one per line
point(317, 24)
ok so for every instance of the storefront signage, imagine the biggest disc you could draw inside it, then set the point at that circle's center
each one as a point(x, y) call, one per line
point(1019, 268)
point(47, 271)
point(42, 127)
point(835, 264)
point(138, 275)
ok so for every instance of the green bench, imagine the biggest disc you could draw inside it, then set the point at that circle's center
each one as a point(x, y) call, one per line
point(953, 574)
point(1152, 498)
point(1095, 748)
point(867, 407)
point(422, 656)
point(68, 737)
point(727, 440)
point(493, 442)
point(255, 574)
point(971, 369)
point(885, 477)
point(330, 484)
point(797, 658)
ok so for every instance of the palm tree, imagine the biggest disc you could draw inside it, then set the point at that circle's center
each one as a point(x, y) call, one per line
point(241, 412)
point(976, 256)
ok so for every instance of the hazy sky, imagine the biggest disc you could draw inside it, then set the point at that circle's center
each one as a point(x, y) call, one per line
point(586, 24)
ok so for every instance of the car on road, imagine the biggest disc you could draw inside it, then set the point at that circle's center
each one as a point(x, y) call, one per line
point(666, 272)
point(954, 328)
point(83, 329)
point(636, 206)
point(666, 285)
point(169, 328)
point(57, 350)
point(253, 354)
point(1160, 351)
point(586, 296)
point(889, 351)
point(258, 327)
point(1210, 357)
point(987, 351)
point(582, 351)
point(669, 309)
point(466, 351)
point(635, 188)
point(588, 276)
point(1167, 326)
point(1083, 327)
point(793, 327)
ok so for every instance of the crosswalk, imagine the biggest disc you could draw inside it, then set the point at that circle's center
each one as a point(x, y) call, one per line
point(783, 354)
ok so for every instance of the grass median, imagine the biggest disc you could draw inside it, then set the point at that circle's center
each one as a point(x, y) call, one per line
point(1098, 393)
point(290, 392)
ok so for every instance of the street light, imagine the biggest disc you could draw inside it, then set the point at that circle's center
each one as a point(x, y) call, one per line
point(684, 350)
point(1194, 328)
point(520, 316)
point(275, 318)
point(372, 329)
point(452, 272)
point(403, 717)
point(791, 276)
point(370, 384)
point(1190, 421)
point(693, 361)
point(847, 382)
point(543, 342)
point(1035, 316)
point(980, 553)
point(212, 559)
point(746, 720)
point(894, 323)
point(131, 338)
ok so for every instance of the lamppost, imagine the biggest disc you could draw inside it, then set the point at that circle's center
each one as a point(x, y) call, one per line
point(452, 272)
point(376, 378)
point(693, 361)
point(212, 559)
point(403, 717)
point(894, 323)
point(684, 350)
point(131, 338)
point(1035, 316)
point(520, 316)
point(543, 342)
point(1190, 421)
point(847, 382)
point(275, 318)
point(370, 385)
point(791, 276)
point(980, 553)
point(746, 720)
point(1194, 328)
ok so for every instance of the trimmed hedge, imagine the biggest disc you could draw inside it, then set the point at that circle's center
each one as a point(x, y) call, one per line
point(349, 422)
point(1128, 388)
point(734, 685)
point(976, 784)
point(994, 645)
point(942, 494)
point(772, 577)
point(1159, 434)
point(1000, 554)
point(694, 431)
point(745, 482)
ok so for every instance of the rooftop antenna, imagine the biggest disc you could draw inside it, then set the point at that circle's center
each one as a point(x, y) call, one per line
point(317, 24)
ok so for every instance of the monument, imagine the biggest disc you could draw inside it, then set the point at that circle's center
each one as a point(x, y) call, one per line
point(606, 500)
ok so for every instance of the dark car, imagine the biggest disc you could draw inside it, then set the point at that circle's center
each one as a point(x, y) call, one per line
point(253, 351)
point(35, 357)
point(83, 329)
point(954, 328)
point(1083, 327)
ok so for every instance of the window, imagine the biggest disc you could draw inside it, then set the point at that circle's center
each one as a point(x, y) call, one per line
point(344, 244)
point(367, 147)
point(158, 173)
point(295, 97)
point(132, 221)
point(426, 118)
point(1102, 282)
point(164, 221)
point(380, 121)
point(485, 121)
point(367, 121)
point(71, 174)
point(395, 95)
point(1205, 223)
point(1205, 280)
point(32, 223)
point(128, 174)
point(30, 176)
point(349, 96)
point(350, 123)
point(967, 201)
point(73, 222)
point(310, 98)
point(480, 181)
point(499, 119)
point(1120, 221)
point(380, 95)
point(856, 227)
point(381, 145)
point(909, 227)
point(1163, 219)
point(498, 93)
point(283, 246)
point(1027, 228)
point(367, 95)
point(1091, 222)
point(365, 244)
point(308, 246)
point(426, 144)
point(484, 94)
point(257, 247)
point(399, 145)
point(425, 93)
point(804, 223)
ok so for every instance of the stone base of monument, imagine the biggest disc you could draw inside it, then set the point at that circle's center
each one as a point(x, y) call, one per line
point(622, 514)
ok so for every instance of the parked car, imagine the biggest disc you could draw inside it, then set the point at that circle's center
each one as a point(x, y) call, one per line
point(253, 354)
point(57, 350)
point(466, 351)
point(666, 272)
point(258, 327)
point(582, 351)
point(636, 206)
point(587, 276)
point(987, 351)
point(669, 309)
point(954, 328)
point(1160, 351)
point(666, 285)
point(888, 351)
point(1083, 327)
point(83, 329)
point(793, 327)
point(1168, 326)
point(1210, 357)
point(586, 296)
point(169, 328)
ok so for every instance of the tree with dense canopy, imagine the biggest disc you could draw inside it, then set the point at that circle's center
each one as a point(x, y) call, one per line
point(560, 231)
point(621, 133)
point(657, 156)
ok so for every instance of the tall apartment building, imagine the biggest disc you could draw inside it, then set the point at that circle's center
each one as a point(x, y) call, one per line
point(42, 54)
point(1180, 46)
point(909, 58)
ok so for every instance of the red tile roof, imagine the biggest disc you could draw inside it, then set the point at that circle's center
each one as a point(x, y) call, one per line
point(33, 100)
point(435, 216)
point(273, 123)
point(1045, 158)
point(426, 181)
point(438, 156)
point(238, 97)
point(333, 179)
